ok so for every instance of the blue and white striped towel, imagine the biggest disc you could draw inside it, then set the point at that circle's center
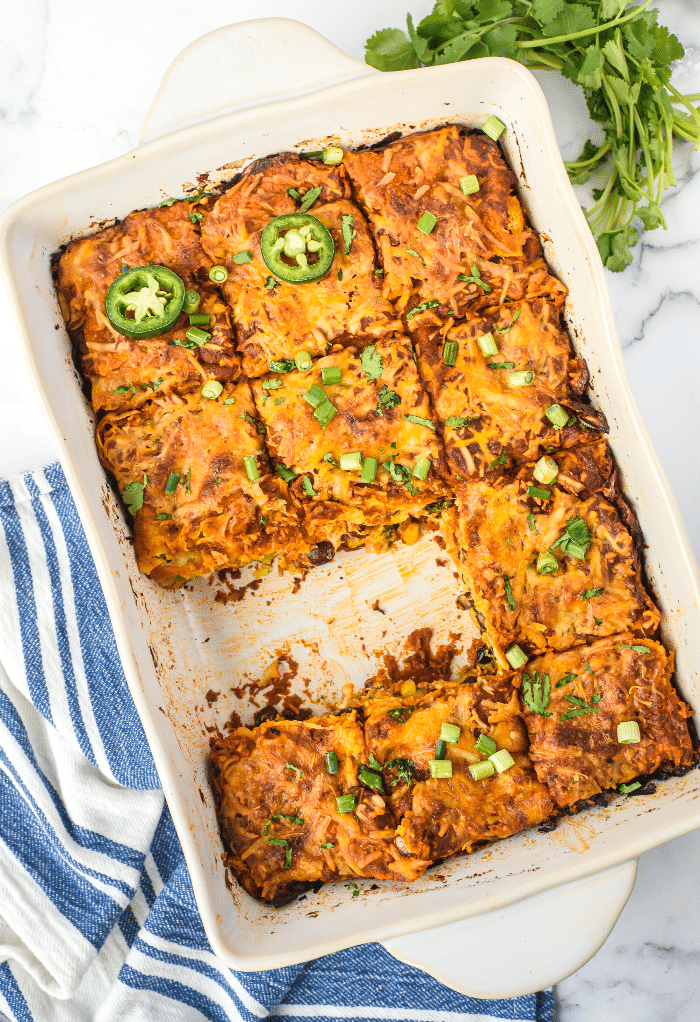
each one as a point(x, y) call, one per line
point(98, 921)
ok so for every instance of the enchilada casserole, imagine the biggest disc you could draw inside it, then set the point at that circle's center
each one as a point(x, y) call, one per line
point(339, 350)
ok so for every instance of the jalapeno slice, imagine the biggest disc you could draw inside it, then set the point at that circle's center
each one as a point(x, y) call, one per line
point(297, 247)
point(145, 301)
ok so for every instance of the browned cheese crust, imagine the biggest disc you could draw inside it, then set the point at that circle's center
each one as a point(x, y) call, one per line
point(274, 322)
point(483, 414)
point(620, 679)
point(501, 530)
point(255, 783)
point(440, 817)
point(378, 388)
point(420, 173)
point(125, 373)
point(217, 517)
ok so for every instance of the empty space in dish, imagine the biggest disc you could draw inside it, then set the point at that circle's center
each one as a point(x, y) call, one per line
point(179, 646)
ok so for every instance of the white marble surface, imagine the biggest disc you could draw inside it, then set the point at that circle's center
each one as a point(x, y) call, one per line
point(76, 79)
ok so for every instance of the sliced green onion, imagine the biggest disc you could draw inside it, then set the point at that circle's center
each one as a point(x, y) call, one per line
point(212, 389)
point(440, 768)
point(536, 491)
point(328, 844)
point(315, 395)
point(480, 771)
point(421, 468)
point(625, 789)
point(469, 184)
point(546, 470)
point(628, 732)
point(486, 745)
point(493, 128)
point(330, 375)
point(197, 336)
point(515, 657)
point(285, 472)
point(369, 470)
point(219, 274)
point(240, 258)
point(502, 760)
point(251, 468)
point(487, 344)
point(351, 462)
point(370, 778)
point(163, 517)
point(324, 413)
point(332, 155)
point(303, 362)
point(521, 379)
point(440, 748)
point(345, 803)
point(449, 352)
point(450, 733)
point(191, 303)
point(374, 763)
point(426, 223)
point(199, 320)
point(331, 763)
point(547, 563)
point(172, 483)
point(557, 416)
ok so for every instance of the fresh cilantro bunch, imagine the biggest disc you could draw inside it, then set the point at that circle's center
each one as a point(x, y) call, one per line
point(620, 57)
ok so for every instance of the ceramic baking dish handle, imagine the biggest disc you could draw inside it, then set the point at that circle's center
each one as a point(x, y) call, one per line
point(527, 946)
point(244, 65)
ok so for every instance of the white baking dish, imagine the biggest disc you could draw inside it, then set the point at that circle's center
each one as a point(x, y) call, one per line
point(176, 647)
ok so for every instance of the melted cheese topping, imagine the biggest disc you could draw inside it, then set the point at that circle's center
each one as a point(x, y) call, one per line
point(581, 756)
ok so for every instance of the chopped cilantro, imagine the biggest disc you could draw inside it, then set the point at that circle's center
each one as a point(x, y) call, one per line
point(308, 487)
point(421, 308)
point(298, 770)
point(371, 362)
point(637, 649)
point(285, 365)
point(531, 522)
point(132, 495)
point(254, 422)
point(348, 234)
point(581, 706)
point(500, 460)
point(509, 591)
point(505, 329)
point(420, 421)
point(405, 770)
point(458, 421)
point(271, 384)
point(475, 278)
point(590, 594)
point(387, 399)
point(536, 693)
point(565, 680)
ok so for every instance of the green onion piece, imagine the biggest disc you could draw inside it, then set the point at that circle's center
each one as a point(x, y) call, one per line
point(251, 468)
point(330, 375)
point(546, 470)
point(212, 389)
point(240, 258)
point(324, 413)
point(426, 223)
point(628, 732)
point(421, 468)
point(197, 336)
point(450, 733)
point(163, 517)
point(199, 320)
point(493, 128)
point(469, 184)
point(502, 760)
point(480, 771)
point(557, 416)
point(440, 768)
point(521, 379)
point(515, 657)
point(547, 563)
point(308, 487)
point(315, 395)
point(172, 483)
point(191, 303)
point(345, 803)
point(230, 401)
point(219, 274)
point(440, 748)
point(590, 594)
point(290, 766)
point(625, 789)
point(284, 365)
point(449, 352)
point(285, 472)
point(303, 362)
point(486, 745)
point(351, 462)
point(312, 154)
point(369, 470)
point(536, 491)
point(370, 778)
point(332, 155)
point(487, 344)
point(331, 763)
point(374, 763)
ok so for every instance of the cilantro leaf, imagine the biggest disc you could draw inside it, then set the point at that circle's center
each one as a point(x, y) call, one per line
point(390, 50)
point(405, 770)
point(509, 591)
point(458, 421)
point(387, 399)
point(536, 693)
point(572, 18)
point(132, 495)
point(371, 362)
point(348, 233)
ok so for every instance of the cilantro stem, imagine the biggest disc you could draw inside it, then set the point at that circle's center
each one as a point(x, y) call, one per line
point(605, 27)
point(600, 153)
